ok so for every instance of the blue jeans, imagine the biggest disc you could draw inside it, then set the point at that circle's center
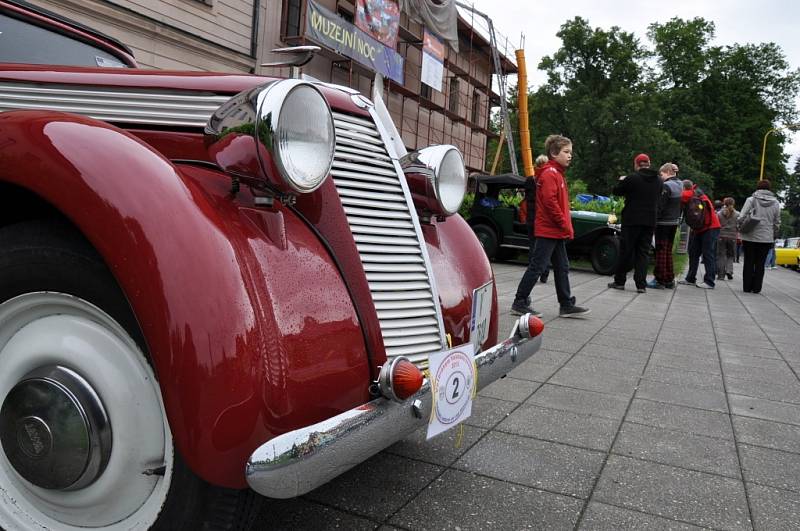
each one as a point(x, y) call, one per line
point(547, 251)
point(704, 244)
point(770, 262)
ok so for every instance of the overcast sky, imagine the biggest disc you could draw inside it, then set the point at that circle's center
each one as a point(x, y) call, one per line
point(736, 21)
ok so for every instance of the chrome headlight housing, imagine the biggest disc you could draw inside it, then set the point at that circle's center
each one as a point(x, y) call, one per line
point(283, 131)
point(437, 179)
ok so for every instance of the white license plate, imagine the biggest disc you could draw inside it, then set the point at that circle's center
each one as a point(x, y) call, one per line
point(481, 316)
point(453, 379)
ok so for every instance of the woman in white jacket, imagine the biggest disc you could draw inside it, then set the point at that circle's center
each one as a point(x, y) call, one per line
point(760, 238)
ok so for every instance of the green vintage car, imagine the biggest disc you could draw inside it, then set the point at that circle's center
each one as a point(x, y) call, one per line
point(503, 236)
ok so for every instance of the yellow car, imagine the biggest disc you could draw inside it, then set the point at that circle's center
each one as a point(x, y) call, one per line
point(789, 254)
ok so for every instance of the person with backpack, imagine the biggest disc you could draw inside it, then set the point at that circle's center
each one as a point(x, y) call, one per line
point(699, 214)
point(641, 190)
point(668, 219)
point(759, 222)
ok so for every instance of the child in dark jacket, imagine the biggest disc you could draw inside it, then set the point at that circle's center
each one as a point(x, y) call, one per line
point(668, 219)
point(726, 246)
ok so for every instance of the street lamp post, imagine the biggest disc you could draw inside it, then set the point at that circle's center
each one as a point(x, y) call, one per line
point(792, 127)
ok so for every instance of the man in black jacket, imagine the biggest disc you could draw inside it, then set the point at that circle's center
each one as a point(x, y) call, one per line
point(641, 190)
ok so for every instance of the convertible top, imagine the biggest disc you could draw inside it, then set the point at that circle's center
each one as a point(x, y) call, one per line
point(509, 179)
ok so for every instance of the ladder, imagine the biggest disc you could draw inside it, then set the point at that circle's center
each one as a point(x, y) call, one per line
point(501, 83)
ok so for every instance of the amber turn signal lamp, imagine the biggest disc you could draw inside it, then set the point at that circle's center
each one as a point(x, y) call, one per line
point(399, 379)
point(530, 325)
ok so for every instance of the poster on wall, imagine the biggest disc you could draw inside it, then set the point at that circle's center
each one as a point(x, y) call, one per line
point(432, 60)
point(380, 19)
point(332, 31)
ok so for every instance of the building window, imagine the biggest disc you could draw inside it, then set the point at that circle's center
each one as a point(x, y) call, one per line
point(293, 10)
point(347, 16)
point(454, 86)
point(476, 107)
point(425, 91)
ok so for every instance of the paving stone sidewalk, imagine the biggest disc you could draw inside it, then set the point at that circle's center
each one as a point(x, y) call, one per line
point(675, 409)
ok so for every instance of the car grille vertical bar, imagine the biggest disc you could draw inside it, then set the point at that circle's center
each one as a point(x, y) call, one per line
point(389, 240)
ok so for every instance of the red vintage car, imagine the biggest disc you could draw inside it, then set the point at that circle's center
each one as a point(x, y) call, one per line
point(211, 282)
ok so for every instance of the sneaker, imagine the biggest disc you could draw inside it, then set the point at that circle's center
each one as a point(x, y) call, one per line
point(519, 308)
point(614, 285)
point(685, 282)
point(703, 285)
point(573, 311)
point(641, 290)
point(655, 284)
point(669, 285)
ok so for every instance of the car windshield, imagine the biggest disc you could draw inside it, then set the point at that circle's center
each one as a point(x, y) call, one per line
point(23, 42)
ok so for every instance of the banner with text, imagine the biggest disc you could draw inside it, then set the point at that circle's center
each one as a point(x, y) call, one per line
point(330, 30)
point(432, 60)
point(380, 19)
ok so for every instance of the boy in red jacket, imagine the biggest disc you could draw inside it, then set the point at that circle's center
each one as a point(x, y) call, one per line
point(702, 241)
point(553, 227)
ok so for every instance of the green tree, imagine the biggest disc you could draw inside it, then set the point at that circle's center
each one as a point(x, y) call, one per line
point(602, 94)
point(719, 101)
point(791, 202)
point(594, 95)
point(681, 48)
point(704, 107)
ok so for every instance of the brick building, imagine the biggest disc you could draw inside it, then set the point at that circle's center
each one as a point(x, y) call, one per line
point(237, 36)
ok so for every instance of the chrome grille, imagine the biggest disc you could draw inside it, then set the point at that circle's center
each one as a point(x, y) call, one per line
point(390, 245)
point(121, 105)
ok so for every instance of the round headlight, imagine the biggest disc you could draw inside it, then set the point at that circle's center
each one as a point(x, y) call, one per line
point(451, 181)
point(282, 132)
point(305, 139)
point(296, 127)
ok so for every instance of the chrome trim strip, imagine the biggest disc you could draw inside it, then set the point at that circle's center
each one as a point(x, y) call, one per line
point(297, 462)
point(121, 105)
point(379, 110)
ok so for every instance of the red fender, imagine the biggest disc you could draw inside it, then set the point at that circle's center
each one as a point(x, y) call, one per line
point(459, 266)
point(247, 321)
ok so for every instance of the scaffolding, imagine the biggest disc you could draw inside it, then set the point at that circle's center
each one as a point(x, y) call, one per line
point(460, 113)
point(501, 80)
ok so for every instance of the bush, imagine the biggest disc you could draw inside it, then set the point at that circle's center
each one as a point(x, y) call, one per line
point(510, 199)
point(576, 187)
point(466, 205)
point(614, 206)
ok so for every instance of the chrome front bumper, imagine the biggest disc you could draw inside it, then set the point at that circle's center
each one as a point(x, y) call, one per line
point(301, 460)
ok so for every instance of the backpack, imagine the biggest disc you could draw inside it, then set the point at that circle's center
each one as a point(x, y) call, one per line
point(696, 211)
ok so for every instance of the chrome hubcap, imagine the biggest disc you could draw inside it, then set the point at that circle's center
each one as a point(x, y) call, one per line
point(54, 429)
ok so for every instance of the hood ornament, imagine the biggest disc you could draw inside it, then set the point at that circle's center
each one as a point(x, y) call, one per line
point(297, 56)
point(361, 101)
